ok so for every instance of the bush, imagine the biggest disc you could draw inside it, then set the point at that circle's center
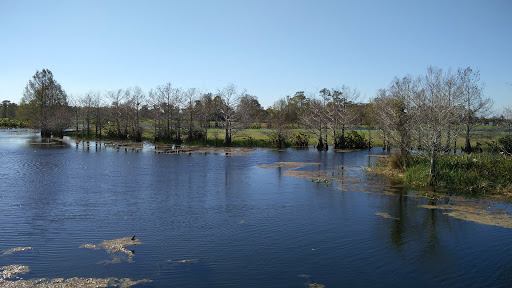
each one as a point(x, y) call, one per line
point(11, 123)
point(505, 144)
point(198, 134)
point(278, 141)
point(398, 161)
point(352, 140)
point(300, 140)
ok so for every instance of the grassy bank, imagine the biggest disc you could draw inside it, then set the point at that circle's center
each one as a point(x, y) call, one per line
point(261, 137)
point(476, 174)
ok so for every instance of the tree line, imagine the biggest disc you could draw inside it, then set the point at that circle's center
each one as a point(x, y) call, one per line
point(427, 111)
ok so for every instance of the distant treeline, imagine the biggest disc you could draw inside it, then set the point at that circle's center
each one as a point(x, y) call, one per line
point(174, 114)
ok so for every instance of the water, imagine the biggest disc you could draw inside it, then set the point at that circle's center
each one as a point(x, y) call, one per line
point(243, 226)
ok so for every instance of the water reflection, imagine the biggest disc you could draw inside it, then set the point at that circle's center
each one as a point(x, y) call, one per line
point(245, 226)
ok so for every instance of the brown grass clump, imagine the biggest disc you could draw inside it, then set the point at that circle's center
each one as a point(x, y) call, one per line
point(11, 271)
point(17, 249)
point(114, 246)
point(386, 215)
point(378, 156)
point(72, 283)
point(228, 151)
point(290, 165)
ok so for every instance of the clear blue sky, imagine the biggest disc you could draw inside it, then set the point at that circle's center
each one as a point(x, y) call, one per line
point(271, 48)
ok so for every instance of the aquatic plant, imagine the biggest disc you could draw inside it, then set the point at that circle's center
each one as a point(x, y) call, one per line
point(386, 215)
point(475, 212)
point(114, 246)
point(16, 249)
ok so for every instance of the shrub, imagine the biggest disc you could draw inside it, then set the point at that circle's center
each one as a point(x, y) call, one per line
point(198, 134)
point(278, 141)
point(300, 140)
point(398, 161)
point(352, 140)
point(11, 123)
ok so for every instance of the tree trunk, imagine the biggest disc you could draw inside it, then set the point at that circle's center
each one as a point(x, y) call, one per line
point(326, 147)
point(118, 128)
point(88, 128)
point(320, 144)
point(448, 140)
point(227, 137)
point(342, 140)
point(432, 175)
point(467, 147)
point(190, 124)
point(369, 138)
point(77, 122)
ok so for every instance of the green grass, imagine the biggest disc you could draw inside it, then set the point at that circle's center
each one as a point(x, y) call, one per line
point(260, 137)
point(469, 173)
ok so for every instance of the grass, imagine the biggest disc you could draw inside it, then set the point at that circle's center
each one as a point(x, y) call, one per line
point(260, 137)
point(475, 174)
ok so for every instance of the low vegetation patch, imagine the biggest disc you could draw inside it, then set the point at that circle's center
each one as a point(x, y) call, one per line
point(475, 174)
point(11, 123)
point(16, 249)
point(475, 212)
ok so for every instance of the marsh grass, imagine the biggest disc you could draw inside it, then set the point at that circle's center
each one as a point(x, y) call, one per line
point(473, 174)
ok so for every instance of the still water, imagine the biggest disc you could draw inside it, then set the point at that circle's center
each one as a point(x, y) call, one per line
point(240, 225)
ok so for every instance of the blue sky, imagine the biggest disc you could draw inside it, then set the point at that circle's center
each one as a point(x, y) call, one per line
point(271, 48)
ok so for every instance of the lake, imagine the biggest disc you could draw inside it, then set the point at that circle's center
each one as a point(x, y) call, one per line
point(238, 220)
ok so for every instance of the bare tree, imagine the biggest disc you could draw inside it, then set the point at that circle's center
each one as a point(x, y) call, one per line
point(176, 110)
point(315, 121)
point(117, 98)
point(164, 94)
point(433, 112)
point(74, 102)
point(474, 102)
point(205, 111)
point(381, 113)
point(190, 96)
point(230, 98)
point(87, 103)
point(156, 101)
point(340, 112)
point(278, 118)
point(394, 114)
point(452, 93)
point(98, 113)
point(136, 99)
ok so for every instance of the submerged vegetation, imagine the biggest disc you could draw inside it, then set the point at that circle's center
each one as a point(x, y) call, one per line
point(115, 246)
point(9, 274)
point(16, 249)
point(475, 212)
